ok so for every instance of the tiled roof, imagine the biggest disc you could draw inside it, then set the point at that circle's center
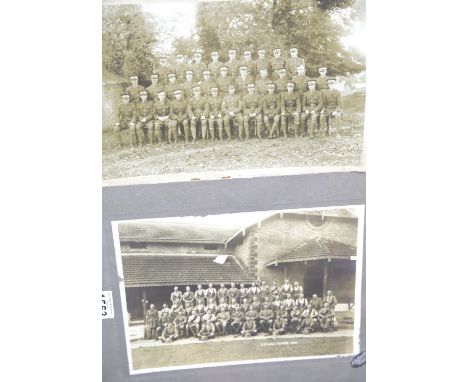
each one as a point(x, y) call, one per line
point(174, 233)
point(316, 250)
point(161, 270)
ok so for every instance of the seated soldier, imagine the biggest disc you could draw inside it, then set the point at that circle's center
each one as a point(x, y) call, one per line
point(223, 304)
point(284, 314)
point(315, 302)
point(297, 290)
point(179, 117)
point(249, 328)
point(196, 110)
point(193, 323)
point(199, 295)
point(245, 305)
point(290, 110)
point(332, 106)
point(188, 298)
point(151, 322)
point(233, 294)
point(315, 319)
point(296, 318)
point(209, 316)
point(180, 322)
point(279, 326)
point(144, 111)
point(215, 116)
point(207, 330)
point(252, 111)
point(312, 104)
point(307, 322)
point(169, 332)
point(301, 301)
point(256, 304)
point(237, 319)
point(277, 303)
point(161, 112)
point(289, 302)
point(211, 305)
point(223, 320)
point(165, 316)
point(326, 317)
point(253, 314)
point(231, 108)
point(222, 292)
point(266, 317)
point(127, 120)
point(268, 302)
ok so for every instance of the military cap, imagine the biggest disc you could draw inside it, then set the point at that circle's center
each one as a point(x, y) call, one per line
point(271, 85)
point(264, 70)
point(300, 66)
point(179, 55)
point(247, 52)
point(224, 67)
point(331, 79)
point(322, 68)
point(311, 81)
point(172, 74)
point(243, 67)
point(214, 53)
point(214, 87)
point(161, 91)
point(282, 70)
point(250, 85)
point(207, 71)
point(293, 49)
point(154, 75)
point(277, 48)
point(260, 50)
point(198, 51)
point(133, 77)
point(189, 71)
point(162, 57)
point(177, 91)
point(291, 83)
point(143, 92)
point(125, 95)
point(231, 50)
point(196, 87)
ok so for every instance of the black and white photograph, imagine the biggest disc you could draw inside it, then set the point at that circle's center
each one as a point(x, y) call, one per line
point(212, 89)
point(201, 291)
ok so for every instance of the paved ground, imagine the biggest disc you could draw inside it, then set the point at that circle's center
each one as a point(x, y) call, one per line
point(180, 353)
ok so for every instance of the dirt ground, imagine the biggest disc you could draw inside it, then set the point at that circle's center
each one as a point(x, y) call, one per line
point(247, 349)
point(345, 150)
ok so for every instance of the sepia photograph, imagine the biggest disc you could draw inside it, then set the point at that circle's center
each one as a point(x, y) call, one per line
point(203, 89)
point(267, 286)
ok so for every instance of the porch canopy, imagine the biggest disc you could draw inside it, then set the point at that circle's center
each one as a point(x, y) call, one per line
point(150, 270)
point(316, 249)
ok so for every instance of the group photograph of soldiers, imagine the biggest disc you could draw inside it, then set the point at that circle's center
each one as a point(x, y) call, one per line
point(228, 87)
point(271, 310)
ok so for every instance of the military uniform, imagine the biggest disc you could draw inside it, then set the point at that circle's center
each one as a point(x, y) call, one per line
point(290, 109)
point(233, 67)
point(237, 320)
point(169, 333)
point(188, 298)
point(206, 86)
point(332, 107)
point(326, 318)
point(198, 68)
point(222, 83)
point(249, 328)
point(281, 85)
point(151, 321)
point(313, 103)
point(179, 116)
point(261, 85)
point(233, 292)
point(193, 324)
point(144, 111)
point(222, 292)
point(251, 103)
point(301, 84)
point(322, 83)
point(271, 111)
point(186, 87)
point(214, 68)
point(223, 319)
point(180, 69)
point(127, 118)
point(215, 116)
point(207, 330)
point(169, 90)
point(276, 64)
point(161, 110)
point(134, 92)
point(292, 63)
point(250, 66)
point(266, 319)
point(231, 108)
point(261, 63)
point(279, 325)
point(331, 301)
point(163, 72)
point(196, 109)
point(199, 293)
point(296, 318)
point(241, 84)
point(153, 90)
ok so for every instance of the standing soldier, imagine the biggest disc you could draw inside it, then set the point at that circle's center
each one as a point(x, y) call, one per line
point(214, 65)
point(252, 110)
point(290, 110)
point(197, 111)
point(144, 110)
point(243, 80)
point(315, 302)
point(262, 83)
point(180, 67)
point(293, 62)
point(300, 81)
point(277, 63)
point(281, 82)
point(188, 85)
point(264, 291)
point(243, 293)
point(330, 299)
point(312, 103)
point(210, 292)
point(232, 64)
point(171, 86)
point(154, 88)
point(231, 108)
point(223, 81)
point(127, 119)
point(261, 62)
point(161, 112)
point(322, 81)
point(188, 298)
point(134, 89)
point(198, 66)
point(199, 293)
point(151, 321)
point(176, 296)
point(233, 294)
point(164, 69)
point(332, 106)
point(215, 116)
point(222, 292)
point(271, 110)
point(207, 83)
point(179, 116)
point(247, 61)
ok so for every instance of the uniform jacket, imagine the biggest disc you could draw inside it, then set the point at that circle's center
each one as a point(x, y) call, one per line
point(145, 110)
point(332, 101)
point(180, 70)
point(262, 85)
point(241, 84)
point(214, 68)
point(127, 111)
point(163, 71)
point(222, 292)
point(198, 70)
point(261, 63)
point(197, 108)
point(232, 102)
point(232, 292)
point(312, 101)
point(153, 90)
point(233, 67)
point(301, 83)
point(206, 87)
point(169, 90)
point(222, 83)
point(331, 300)
point(277, 63)
point(272, 106)
point(188, 296)
point(322, 83)
point(281, 85)
point(249, 326)
point(292, 63)
point(134, 92)
point(290, 102)
point(214, 108)
point(250, 66)
point(266, 314)
point(252, 103)
point(187, 88)
point(152, 318)
point(161, 109)
point(178, 110)
point(224, 316)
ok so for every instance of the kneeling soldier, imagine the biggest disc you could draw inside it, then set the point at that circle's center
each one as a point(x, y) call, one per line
point(179, 116)
point(332, 105)
point(214, 113)
point(271, 110)
point(279, 325)
point(249, 328)
point(144, 118)
point(290, 109)
point(231, 108)
point(312, 103)
point(207, 331)
point(169, 332)
point(127, 118)
point(197, 111)
point(252, 110)
point(161, 115)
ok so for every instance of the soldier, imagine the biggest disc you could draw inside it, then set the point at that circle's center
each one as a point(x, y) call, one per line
point(277, 63)
point(249, 328)
point(326, 317)
point(180, 323)
point(243, 292)
point(301, 301)
point(144, 111)
point(253, 314)
point(171, 86)
point(264, 291)
point(289, 303)
point(262, 83)
point(297, 290)
point(252, 111)
point(312, 104)
point(307, 322)
point(179, 116)
point(177, 308)
point(245, 306)
point(199, 294)
point(279, 326)
point(223, 81)
point(281, 82)
point(155, 87)
point(247, 61)
point(180, 67)
point(207, 331)
point(266, 318)
point(193, 323)
point(127, 119)
point(209, 316)
point(231, 108)
point(222, 292)
point(214, 65)
point(277, 302)
point(188, 84)
point(197, 111)
point(211, 305)
point(261, 62)
point(198, 66)
point(151, 321)
point(300, 81)
point(210, 292)
point(322, 81)
point(254, 291)
point(223, 303)
point(256, 304)
point(332, 106)
point(134, 89)
point(296, 318)
point(232, 64)
point(169, 332)
point(161, 112)
point(223, 319)
point(290, 110)
point(271, 110)
point(165, 316)
point(294, 62)
point(233, 292)
point(274, 289)
point(315, 302)
point(164, 69)
point(330, 299)
point(207, 83)
point(237, 319)
point(285, 289)
point(188, 298)
point(243, 80)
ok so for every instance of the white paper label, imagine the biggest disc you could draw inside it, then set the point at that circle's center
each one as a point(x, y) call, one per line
point(107, 305)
